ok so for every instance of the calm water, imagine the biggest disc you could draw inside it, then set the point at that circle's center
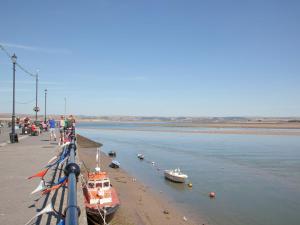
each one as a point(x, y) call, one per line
point(256, 177)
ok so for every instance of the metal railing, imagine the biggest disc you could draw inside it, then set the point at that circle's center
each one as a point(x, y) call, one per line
point(72, 170)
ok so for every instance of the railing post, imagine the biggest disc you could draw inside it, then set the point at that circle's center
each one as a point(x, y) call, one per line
point(72, 170)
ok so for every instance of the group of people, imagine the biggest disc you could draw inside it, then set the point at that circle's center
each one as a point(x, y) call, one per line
point(31, 127)
point(65, 125)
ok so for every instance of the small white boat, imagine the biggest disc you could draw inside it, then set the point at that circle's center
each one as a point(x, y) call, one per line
point(115, 164)
point(140, 156)
point(176, 175)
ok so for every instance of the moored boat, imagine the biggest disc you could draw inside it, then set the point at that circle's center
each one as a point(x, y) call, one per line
point(140, 156)
point(175, 175)
point(115, 164)
point(100, 198)
point(112, 153)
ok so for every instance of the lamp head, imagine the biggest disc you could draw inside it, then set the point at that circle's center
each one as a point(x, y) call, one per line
point(14, 58)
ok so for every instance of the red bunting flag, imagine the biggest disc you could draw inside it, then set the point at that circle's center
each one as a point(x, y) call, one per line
point(46, 191)
point(40, 174)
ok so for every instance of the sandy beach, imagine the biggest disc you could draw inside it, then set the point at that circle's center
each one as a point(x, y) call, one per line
point(140, 205)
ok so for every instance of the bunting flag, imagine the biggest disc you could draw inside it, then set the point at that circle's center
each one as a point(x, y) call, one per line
point(53, 164)
point(40, 174)
point(47, 209)
point(60, 160)
point(64, 152)
point(40, 187)
point(61, 180)
point(52, 159)
point(63, 161)
point(61, 222)
point(54, 187)
point(65, 144)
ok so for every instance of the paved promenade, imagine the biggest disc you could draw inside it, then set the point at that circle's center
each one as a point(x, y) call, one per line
point(19, 161)
point(4, 135)
point(4, 132)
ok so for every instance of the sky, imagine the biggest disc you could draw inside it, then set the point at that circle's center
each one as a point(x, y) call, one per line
point(153, 58)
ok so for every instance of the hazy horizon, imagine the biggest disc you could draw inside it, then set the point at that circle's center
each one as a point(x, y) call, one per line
point(8, 114)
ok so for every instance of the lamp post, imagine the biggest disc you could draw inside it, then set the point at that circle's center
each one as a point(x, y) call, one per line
point(65, 106)
point(36, 96)
point(13, 135)
point(45, 119)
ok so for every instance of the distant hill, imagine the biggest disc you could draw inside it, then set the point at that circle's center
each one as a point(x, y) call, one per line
point(181, 119)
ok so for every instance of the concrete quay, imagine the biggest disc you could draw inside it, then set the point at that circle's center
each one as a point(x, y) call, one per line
point(18, 162)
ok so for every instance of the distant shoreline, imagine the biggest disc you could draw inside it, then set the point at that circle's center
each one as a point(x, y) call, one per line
point(213, 128)
point(242, 132)
point(262, 126)
point(229, 124)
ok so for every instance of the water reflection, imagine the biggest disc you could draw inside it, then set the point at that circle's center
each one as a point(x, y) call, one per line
point(180, 187)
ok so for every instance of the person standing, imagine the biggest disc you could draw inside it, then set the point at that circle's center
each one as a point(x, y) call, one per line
point(52, 124)
point(62, 127)
point(72, 119)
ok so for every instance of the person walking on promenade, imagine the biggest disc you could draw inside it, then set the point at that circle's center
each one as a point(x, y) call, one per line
point(52, 124)
point(62, 127)
point(72, 121)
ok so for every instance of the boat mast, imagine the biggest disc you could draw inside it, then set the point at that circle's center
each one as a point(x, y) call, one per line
point(98, 160)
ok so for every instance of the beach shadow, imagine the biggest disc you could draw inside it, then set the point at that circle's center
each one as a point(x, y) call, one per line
point(36, 200)
point(58, 214)
point(39, 219)
point(31, 206)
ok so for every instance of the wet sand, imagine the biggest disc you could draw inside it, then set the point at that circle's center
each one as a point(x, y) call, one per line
point(139, 204)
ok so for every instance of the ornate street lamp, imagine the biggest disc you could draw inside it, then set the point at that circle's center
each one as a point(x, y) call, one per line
point(45, 119)
point(13, 135)
point(36, 108)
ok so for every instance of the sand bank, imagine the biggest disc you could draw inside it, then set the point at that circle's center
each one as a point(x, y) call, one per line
point(219, 130)
point(139, 204)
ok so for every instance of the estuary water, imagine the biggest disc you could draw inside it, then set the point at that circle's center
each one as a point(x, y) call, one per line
point(256, 178)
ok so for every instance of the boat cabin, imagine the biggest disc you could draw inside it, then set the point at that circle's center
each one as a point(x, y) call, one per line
point(99, 189)
point(99, 184)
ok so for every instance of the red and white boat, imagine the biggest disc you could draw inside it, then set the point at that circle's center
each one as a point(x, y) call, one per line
point(101, 199)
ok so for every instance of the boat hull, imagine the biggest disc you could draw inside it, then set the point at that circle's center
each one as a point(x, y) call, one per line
point(93, 210)
point(94, 217)
point(115, 164)
point(174, 178)
point(112, 154)
point(140, 156)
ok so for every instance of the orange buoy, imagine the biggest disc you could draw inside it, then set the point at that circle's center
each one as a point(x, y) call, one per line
point(212, 194)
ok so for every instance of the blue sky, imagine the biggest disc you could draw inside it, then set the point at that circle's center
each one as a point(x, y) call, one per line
point(163, 58)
